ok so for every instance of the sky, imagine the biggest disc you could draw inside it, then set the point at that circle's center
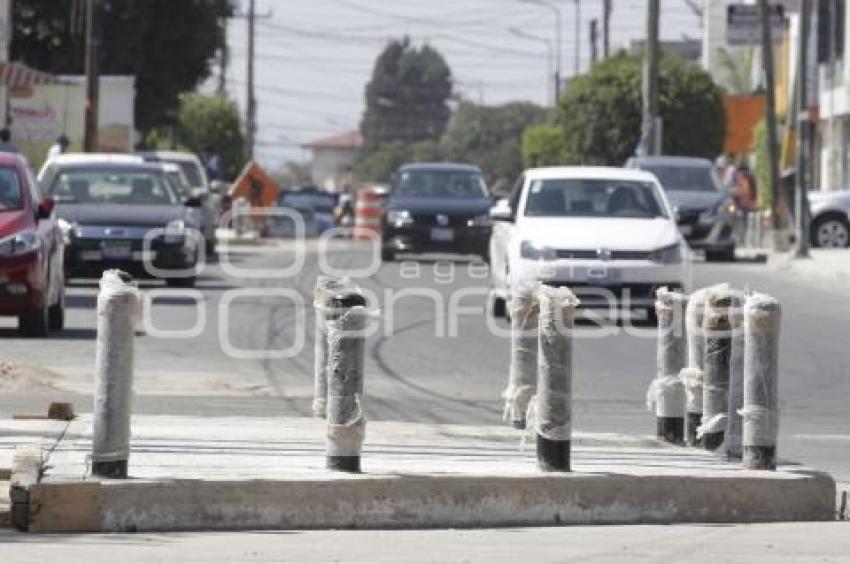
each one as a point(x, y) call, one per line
point(314, 58)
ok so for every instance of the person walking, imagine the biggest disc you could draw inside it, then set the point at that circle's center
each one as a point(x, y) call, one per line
point(59, 147)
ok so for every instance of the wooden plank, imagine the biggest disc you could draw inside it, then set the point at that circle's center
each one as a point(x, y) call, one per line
point(65, 507)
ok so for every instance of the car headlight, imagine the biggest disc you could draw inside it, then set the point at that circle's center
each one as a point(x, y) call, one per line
point(531, 250)
point(482, 220)
point(175, 231)
point(20, 244)
point(671, 254)
point(399, 218)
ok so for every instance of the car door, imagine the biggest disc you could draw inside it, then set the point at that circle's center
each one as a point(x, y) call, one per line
point(503, 232)
point(51, 238)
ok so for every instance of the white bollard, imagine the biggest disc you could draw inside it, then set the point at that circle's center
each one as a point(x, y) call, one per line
point(666, 394)
point(553, 401)
point(326, 288)
point(762, 325)
point(734, 426)
point(718, 347)
point(692, 376)
point(522, 382)
point(118, 306)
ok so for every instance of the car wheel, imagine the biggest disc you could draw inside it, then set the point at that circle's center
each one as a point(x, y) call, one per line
point(56, 314)
point(387, 255)
point(182, 282)
point(498, 307)
point(726, 255)
point(211, 245)
point(831, 232)
point(35, 323)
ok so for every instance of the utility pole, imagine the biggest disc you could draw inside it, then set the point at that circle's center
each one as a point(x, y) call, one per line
point(770, 114)
point(606, 28)
point(594, 27)
point(803, 131)
point(649, 144)
point(92, 75)
point(224, 61)
point(578, 39)
point(250, 99)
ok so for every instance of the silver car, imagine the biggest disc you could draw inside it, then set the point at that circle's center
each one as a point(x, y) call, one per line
point(830, 213)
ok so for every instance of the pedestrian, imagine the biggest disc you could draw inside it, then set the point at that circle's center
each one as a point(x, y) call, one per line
point(6, 145)
point(59, 147)
point(746, 192)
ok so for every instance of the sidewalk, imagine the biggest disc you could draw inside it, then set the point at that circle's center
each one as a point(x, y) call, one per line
point(248, 473)
point(826, 265)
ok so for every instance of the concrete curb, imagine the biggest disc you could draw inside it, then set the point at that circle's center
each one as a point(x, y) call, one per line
point(27, 469)
point(428, 501)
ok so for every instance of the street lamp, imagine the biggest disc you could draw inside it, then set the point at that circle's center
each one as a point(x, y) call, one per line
point(558, 49)
point(552, 78)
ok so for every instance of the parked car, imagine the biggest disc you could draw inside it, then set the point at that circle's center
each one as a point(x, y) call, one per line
point(32, 279)
point(704, 212)
point(108, 204)
point(830, 218)
point(437, 207)
point(196, 175)
point(606, 233)
point(208, 215)
point(319, 202)
point(284, 226)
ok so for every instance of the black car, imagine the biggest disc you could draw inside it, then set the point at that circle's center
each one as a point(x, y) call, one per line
point(437, 207)
point(704, 212)
point(108, 207)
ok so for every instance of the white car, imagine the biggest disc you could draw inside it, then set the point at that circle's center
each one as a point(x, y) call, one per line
point(609, 234)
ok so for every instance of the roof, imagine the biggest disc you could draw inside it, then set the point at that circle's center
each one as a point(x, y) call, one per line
point(17, 75)
point(346, 140)
point(455, 167)
point(590, 172)
point(671, 160)
point(95, 158)
point(169, 155)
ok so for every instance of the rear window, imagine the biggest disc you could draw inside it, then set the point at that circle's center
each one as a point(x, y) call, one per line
point(112, 186)
point(192, 172)
point(684, 178)
point(440, 184)
point(11, 192)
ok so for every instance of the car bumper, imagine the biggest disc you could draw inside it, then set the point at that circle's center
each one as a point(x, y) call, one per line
point(432, 239)
point(90, 257)
point(21, 284)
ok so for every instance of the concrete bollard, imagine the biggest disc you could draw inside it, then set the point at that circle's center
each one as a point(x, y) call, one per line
point(762, 324)
point(553, 401)
point(692, 376)
point(734, 425)
point(326, 288)
point(522, 382)
point(346, 421)
point(718, 346)
point(666, 393)
point(118, 305)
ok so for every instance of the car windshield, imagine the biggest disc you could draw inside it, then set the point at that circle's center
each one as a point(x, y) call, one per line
point(685, 178)
point(11, 194)
point(113, 186)
point(190, 169)
point(440, 184)
point(596, 197)
point(179, 185)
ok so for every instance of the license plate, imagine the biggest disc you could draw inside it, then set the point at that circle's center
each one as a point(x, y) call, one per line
point(604, 275)
point(686, 230)
point(116, 251)
point(438, 234)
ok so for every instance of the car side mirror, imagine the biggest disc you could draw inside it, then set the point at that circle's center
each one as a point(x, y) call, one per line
point(193, 202)
point(45, 207)
point(502, 211)
point(200, 193)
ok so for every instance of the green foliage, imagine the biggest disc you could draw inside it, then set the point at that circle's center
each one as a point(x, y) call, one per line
point(490, 137)
point(737, 69)
point(601, 111)
point(167, 45)
point(380, 164)
point(212, 123)
point(544, 145)
point(761, 167)
point(406, 98)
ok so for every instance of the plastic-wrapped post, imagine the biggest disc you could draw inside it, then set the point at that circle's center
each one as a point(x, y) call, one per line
point(718, 347)
point(346, 421)
point(523, 372)
point(326, 288)
point(734, 425)
point(692, 376)
point(762, 323)
point(666, 393)
point(553, 402)
point(118, 305)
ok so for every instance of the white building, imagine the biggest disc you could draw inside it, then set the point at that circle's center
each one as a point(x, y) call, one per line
point(834, 127)
point(333, 158)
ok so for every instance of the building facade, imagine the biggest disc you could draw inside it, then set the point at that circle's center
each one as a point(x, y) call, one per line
point(332, 159)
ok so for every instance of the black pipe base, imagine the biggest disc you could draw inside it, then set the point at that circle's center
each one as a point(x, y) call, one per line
point(344, 463)
point(109, 469)
point(518, 424)
point(760, 457)
point(712, 441)
point(553, 456)
point(694, 421)
point(671, 429)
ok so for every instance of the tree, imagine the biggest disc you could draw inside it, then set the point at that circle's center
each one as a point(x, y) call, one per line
point(212, 123)
point(737, 69)
point(406, 98)
point(166, 45)
point(490, 137)
point(600, 112)
point(544, 145)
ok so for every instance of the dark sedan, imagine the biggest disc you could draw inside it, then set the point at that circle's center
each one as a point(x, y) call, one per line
point(122, 214)
point(437, 207)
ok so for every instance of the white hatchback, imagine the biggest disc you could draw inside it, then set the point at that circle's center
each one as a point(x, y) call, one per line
point(609, 234)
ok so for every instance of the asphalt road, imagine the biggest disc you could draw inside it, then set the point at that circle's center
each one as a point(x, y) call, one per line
point(422, 364)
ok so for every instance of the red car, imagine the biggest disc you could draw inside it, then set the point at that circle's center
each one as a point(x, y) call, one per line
point(32, 279)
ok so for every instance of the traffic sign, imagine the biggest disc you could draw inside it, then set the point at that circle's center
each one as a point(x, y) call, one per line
point(743, 24)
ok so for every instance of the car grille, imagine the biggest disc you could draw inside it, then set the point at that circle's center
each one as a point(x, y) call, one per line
point(584, 254)
point(430, 219)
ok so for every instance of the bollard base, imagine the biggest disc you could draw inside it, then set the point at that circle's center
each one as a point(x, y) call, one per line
point(553, 456)
point(109, 469)
point(344, 463)
point(760, 457)
point(518, 424)
point(712, 441)
point(694, 421)
point(671, 429)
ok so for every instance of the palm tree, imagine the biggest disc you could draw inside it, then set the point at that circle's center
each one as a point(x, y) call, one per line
point(737, 69)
